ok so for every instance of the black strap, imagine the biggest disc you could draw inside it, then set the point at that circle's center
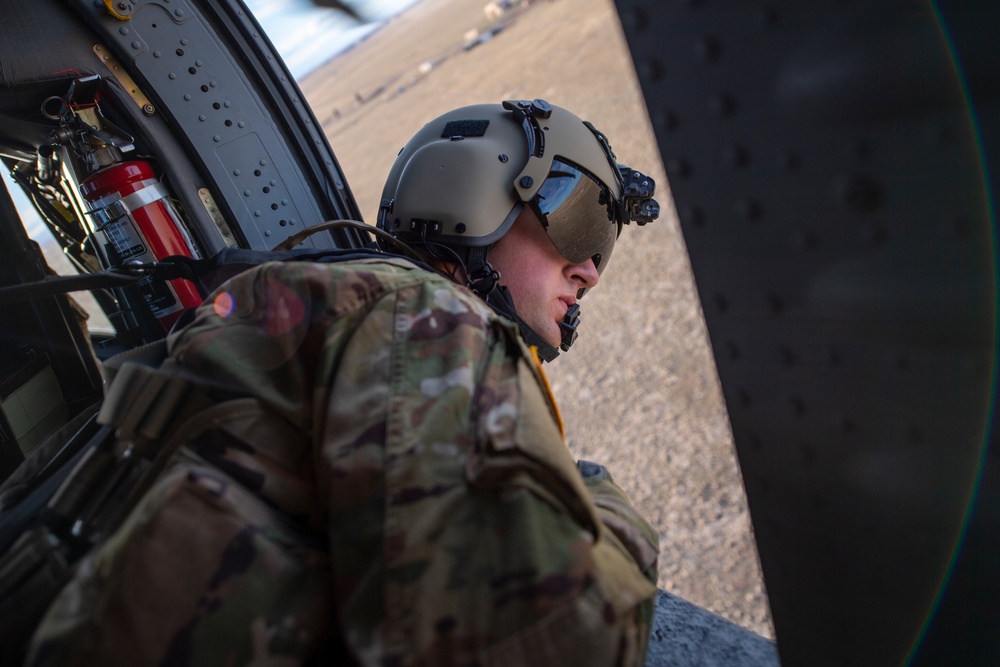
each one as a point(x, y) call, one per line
point(482, 278)
point(53, 285)
point(206, 274)
point(501, 302)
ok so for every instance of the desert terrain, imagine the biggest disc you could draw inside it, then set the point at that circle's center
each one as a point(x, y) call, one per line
point(639, 390)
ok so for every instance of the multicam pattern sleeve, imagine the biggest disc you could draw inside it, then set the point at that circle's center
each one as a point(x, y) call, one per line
point(409, 429)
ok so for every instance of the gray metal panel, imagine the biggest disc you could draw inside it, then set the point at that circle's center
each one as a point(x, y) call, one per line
point(830, 189)
point(685, 635)
point(178, 58)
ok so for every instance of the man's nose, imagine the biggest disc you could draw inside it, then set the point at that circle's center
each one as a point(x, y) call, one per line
point(585, 273)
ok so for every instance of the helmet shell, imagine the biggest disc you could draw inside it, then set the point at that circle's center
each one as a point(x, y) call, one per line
point(464, 177)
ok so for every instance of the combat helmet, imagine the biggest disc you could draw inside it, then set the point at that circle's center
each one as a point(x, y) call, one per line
point(458, 185)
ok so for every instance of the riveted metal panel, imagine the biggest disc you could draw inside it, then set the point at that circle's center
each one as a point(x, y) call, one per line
point(213, 74)
point(825, 167)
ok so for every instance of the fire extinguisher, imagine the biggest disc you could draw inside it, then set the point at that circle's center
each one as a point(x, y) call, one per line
point(132, 209)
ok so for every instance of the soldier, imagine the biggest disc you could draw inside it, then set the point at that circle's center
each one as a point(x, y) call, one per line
point(380, 476)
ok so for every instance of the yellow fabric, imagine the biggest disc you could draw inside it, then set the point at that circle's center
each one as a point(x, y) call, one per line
point(548, 390)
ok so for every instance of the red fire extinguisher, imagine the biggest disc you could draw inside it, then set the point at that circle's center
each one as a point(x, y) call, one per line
point(132, 209)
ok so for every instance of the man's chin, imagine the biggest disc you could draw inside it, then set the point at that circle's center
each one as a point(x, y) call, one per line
point(554, 339)
point(551, 333)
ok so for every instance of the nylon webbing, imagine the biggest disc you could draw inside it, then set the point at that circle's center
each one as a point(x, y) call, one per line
point(55, 285)
point(144, 402)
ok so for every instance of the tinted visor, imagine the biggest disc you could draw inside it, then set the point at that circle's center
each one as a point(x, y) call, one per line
point(578, 214)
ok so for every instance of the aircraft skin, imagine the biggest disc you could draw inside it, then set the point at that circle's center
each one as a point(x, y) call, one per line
point(145, 130)
point(830, 165)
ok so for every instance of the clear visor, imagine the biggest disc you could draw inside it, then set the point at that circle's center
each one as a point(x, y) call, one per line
point(578, 214)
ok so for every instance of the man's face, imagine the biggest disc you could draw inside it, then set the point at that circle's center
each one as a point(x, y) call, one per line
point(543, 283)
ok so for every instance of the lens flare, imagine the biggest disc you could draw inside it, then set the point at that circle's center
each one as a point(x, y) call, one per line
point(224, 304)
point(973, 491)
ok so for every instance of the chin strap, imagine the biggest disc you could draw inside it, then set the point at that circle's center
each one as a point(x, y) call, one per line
point(483, 279)
point(500, 301)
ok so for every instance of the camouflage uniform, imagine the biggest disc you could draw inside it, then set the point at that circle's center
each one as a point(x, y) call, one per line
point(404, 497)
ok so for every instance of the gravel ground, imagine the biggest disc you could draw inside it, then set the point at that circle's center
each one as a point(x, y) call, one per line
point(639, 391)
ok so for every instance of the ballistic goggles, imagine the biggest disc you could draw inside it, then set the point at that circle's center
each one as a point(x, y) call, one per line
point(582, 217)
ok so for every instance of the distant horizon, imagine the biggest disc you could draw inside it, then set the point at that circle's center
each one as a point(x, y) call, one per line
point(308, 36)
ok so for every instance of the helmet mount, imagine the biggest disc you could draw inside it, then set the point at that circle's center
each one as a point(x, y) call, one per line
point(458, 185)
point(481, 278)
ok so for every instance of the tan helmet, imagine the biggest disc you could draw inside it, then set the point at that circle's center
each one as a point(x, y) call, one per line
point(465, 176)
point(461, 181)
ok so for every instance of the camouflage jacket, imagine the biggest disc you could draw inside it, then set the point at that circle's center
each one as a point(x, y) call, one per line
point(383, 480)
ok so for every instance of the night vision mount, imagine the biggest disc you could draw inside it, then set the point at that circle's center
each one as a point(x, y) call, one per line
point(637, 197)
point(636, 202)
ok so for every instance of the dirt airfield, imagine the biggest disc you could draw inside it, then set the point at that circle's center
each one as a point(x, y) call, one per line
point(639, 390)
